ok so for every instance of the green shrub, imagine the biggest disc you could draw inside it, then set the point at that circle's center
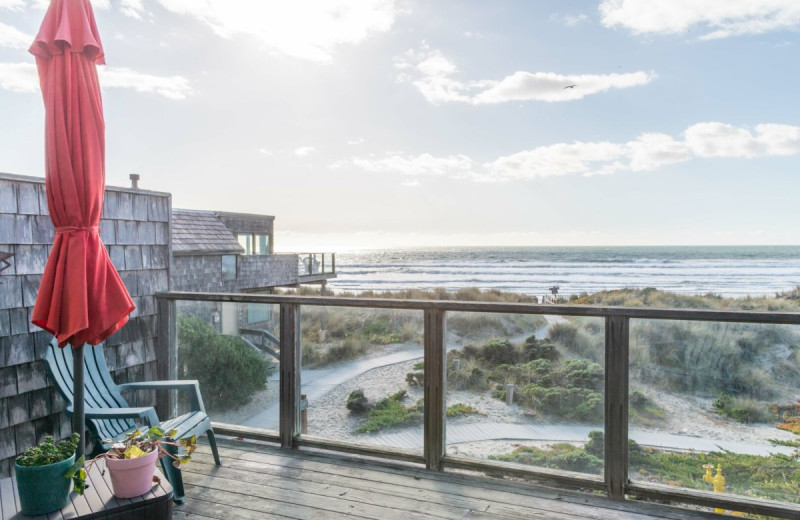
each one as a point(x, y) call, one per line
point(415, 378)
point(539, 349)
point(577, 404)
point(460, 409)
point(228, 370)
point(357, 402)
point(596, 444)
point(390, 412)
point(498, 352)
point(582, 373)
point(560, 456)
point(741, 409)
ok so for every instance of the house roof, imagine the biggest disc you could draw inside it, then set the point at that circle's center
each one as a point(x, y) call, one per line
point(201, 232)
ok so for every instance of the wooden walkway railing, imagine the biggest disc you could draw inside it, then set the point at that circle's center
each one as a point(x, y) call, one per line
point(614, 481)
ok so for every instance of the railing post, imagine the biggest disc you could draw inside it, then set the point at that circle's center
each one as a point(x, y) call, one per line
point(616, 404)
point(333, 262)
point(166, 355)
point(290, 374)
point(435, 381)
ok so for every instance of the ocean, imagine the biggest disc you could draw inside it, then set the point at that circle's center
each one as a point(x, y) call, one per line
point(723, 270)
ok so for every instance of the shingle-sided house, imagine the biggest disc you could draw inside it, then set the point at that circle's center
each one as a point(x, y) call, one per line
point(234, 252)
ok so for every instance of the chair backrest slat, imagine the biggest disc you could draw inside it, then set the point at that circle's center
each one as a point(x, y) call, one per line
point(100, 389)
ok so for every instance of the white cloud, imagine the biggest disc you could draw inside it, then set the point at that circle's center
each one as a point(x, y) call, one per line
point(556, 159)
point(547, 86)
point(425, 164)
point(570, 20)
point(19, 77)
point(304, 151)
point(717, 18)
point(432, 73)
point(309, 30)
point(355, 141)
point(12, 5)
point(264, 151)
point(22, 77)
point(14, 38)
point(647, 152)
point(651, 151)
point(172, 87)
point(132, 8)
point(722, 140)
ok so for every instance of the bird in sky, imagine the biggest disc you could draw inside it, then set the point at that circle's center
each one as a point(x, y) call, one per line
point(571, 86)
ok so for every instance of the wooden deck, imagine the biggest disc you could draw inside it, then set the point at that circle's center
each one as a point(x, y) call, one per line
point(261, 481)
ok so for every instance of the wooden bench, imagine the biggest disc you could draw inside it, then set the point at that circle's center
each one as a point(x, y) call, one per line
point(97, 501)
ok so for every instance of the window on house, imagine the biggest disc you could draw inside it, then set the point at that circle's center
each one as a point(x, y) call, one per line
point(254, 244)
point(246, 241)
point(229, 267)
point(261, 244)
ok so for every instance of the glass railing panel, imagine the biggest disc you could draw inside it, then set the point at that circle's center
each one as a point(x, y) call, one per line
point(232, 350)
point(708, 395)
point(361, 375)
point(526, 389)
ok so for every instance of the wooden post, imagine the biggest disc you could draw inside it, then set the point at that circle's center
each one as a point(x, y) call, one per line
point(435, 381)
point(509, 395)
point(290, 374)
point(166, 355)
point(303, 414)
point(323, 332)
point(616, 405)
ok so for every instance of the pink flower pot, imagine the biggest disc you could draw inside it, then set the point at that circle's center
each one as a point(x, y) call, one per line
point(132, 477)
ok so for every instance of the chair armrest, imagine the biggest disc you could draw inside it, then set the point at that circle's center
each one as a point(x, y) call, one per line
point(189, 385)
point(148, 413)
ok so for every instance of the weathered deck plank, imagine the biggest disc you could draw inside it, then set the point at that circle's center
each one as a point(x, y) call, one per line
point(261, 481)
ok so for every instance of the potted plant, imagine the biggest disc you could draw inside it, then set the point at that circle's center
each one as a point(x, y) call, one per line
point(131, 462)
point(44, 473)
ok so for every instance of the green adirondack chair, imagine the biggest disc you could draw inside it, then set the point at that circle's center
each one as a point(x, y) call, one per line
point(108, 415)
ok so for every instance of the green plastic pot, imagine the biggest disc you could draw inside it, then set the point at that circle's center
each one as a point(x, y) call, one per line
point(43, 489)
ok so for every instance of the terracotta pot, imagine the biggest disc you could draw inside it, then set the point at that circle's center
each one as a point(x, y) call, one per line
point(132, 477)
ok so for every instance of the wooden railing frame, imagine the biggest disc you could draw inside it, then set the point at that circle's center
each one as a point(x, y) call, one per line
point(617, 331)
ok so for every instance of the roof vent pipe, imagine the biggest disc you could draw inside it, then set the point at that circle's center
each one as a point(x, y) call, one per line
point(134, 177)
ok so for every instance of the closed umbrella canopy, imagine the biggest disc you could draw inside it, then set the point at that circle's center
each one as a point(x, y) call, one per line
point(81, 298)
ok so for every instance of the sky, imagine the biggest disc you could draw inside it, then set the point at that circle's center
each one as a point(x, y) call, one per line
point(395, 123)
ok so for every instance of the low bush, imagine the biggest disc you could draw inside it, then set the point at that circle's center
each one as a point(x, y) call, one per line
point(229, 371)
point(460, 409)
point(357, 402)
point(742, 409)
point(415, 378)
point(539, 349)
point(558, 456)
point(644, 411)
point(390, 412)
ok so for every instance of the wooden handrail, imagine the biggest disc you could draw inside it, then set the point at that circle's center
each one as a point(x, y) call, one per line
point(784, 318)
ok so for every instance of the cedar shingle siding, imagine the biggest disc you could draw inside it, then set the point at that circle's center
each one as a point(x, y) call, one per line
point(135, 229)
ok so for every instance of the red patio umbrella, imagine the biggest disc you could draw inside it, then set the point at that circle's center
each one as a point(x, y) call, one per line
point(81, 297)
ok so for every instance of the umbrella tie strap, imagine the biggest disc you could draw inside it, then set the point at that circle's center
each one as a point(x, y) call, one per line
point(73, 229)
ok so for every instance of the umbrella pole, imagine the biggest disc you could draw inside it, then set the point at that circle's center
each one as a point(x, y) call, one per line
point(78, 415)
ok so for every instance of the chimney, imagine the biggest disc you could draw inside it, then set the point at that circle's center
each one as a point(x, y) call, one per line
point(134, 180)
